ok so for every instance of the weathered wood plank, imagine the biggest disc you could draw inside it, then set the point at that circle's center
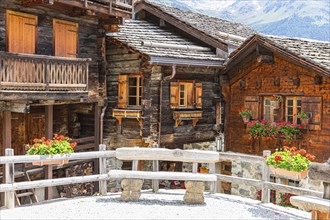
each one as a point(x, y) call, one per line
point(126, 153)
point(74, 156)
point(119, 174)
point(52, 182)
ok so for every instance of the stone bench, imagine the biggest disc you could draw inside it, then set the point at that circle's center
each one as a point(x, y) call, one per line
point(320, 207)
point(132, 183)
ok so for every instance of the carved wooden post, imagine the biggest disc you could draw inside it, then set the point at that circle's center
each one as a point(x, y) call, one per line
point(155, 168)
point(9, 172)
point(103, 170)
point(265, 196)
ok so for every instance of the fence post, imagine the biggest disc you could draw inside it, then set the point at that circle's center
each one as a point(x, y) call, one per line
point(213, 185)
point(9, 172)
point(135, 163)
point(103, 170)
point(265, 195)
point(155, 168)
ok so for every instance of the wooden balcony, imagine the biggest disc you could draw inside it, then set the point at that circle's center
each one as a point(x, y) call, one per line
point(117, 8)
point(29, 73)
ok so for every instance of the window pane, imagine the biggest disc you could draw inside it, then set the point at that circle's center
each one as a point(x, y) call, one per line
point(132, 81)
point(181, 101)
point(290, 119)
point(290, 111)
point(290, 102)
point(298, 102)
point(132, 91)
point(132, 101)
point(267, 101)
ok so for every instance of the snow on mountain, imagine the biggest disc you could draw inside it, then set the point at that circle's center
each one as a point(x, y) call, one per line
point(292, 18)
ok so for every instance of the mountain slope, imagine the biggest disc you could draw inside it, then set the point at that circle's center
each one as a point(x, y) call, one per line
point(292, 18)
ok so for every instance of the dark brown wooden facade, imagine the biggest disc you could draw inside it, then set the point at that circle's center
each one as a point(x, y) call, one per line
point(154, 120)
point(260, 70)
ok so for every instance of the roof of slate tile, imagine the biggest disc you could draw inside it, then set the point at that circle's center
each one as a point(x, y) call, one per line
point(207, 24)
point(134, 32)
point(317, 52)
point(312, 51)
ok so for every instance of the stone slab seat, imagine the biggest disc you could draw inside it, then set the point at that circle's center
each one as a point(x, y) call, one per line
point(132, 182)
point(311, 203)
point(127, 174)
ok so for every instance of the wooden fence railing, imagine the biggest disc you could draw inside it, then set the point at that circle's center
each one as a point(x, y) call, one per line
point(10, 186)
point(42, 73)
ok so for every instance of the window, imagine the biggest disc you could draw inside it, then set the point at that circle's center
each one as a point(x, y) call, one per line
point(186, 94)
point(293, 105)
point(134, 90)
point(269, 112)
point(129, 90)
point(65, 38)
point(21, 32)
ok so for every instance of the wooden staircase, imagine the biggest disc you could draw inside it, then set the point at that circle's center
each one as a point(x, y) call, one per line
point(30, 193)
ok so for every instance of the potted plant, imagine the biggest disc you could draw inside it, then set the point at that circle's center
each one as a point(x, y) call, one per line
point(275, 101)
point(58, 145)
point(245, 114)
point(290, 163)
point(304, 119)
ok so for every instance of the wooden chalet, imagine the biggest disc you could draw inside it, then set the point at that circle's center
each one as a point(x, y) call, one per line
point(298, 70)
point(52, 69)
point(163, 77)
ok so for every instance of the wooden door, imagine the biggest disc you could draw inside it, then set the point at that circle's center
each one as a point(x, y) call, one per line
point(65, 38)
point(21, 32)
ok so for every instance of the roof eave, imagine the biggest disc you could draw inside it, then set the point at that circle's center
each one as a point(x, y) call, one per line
point(165, 61)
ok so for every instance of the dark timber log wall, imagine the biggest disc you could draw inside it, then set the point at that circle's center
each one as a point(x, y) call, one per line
point(122, 61)
point(88, 34)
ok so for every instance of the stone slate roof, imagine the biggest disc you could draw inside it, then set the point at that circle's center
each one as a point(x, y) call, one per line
point(133, 32)
point(317, 52)
point(208, 25)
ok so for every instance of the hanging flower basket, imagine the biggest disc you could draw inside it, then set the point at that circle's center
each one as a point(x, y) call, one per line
point(246, 118)
point(289, 174)
point(52, 162)
point(275, 104)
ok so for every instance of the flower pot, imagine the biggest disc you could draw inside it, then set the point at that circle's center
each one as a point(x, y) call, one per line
point(275, 104)
point(304, 122)
point(51, 162)
point(289, 174)
point(245, 118)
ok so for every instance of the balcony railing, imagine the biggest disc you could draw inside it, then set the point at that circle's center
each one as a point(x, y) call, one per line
point(42, 73)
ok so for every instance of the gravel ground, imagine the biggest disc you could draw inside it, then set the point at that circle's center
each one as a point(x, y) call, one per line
point(167, 204)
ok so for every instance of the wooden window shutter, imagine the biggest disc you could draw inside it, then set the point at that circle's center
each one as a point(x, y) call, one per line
point(122, 91)
point(65, 38)
point(252, 103)
point(313, 105)
point(198, 95)
point(21, 32)
point(174, 94)
point(190, 94)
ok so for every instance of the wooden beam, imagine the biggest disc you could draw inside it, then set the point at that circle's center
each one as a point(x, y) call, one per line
point(97, 113)
point(49, 134)
point(6, 126)
point(14, 107)
point(99, 9)
point(129, 153)
point(128, 174)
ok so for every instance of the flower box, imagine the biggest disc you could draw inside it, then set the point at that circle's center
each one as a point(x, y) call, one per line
point(275, 104)
point(51, 162)
point(289, 174)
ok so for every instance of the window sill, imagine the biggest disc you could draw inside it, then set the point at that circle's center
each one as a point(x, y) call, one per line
point(179, 116)
point(119, 114)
